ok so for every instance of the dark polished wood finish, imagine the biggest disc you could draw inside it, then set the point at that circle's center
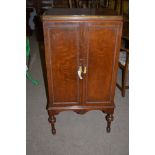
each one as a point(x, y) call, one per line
point(123, 86)
point(52, 120)
point(90, 42)
point(125, 38)
point(109, 118)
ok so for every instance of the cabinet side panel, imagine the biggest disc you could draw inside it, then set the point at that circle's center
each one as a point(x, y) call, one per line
point(64, 43)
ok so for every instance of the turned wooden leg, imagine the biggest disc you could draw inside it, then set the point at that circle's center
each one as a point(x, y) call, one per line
point(109, 118)
point(52, 120)
point(124, 76)
point(123, 83)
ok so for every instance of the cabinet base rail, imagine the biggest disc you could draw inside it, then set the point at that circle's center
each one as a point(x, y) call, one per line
point(109, 116)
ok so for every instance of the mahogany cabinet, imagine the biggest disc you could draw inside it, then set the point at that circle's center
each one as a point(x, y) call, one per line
point(81, 52)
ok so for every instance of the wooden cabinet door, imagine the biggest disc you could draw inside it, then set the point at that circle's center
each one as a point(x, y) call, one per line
point(102, 58)
point(62, 61)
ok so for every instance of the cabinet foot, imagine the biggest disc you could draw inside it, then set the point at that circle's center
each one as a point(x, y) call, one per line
point(109, 118)
point(52, 120)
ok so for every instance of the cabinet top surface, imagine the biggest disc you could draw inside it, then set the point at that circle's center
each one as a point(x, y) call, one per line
point(80, 14)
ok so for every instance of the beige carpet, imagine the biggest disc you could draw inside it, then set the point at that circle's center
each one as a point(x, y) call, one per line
point(76, 134)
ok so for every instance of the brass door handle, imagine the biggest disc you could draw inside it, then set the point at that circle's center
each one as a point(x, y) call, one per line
point(85, 70)
point(80, 72)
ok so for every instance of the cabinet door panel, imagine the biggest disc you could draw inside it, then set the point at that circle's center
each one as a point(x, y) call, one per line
point(101, 59)
point(63, 48)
